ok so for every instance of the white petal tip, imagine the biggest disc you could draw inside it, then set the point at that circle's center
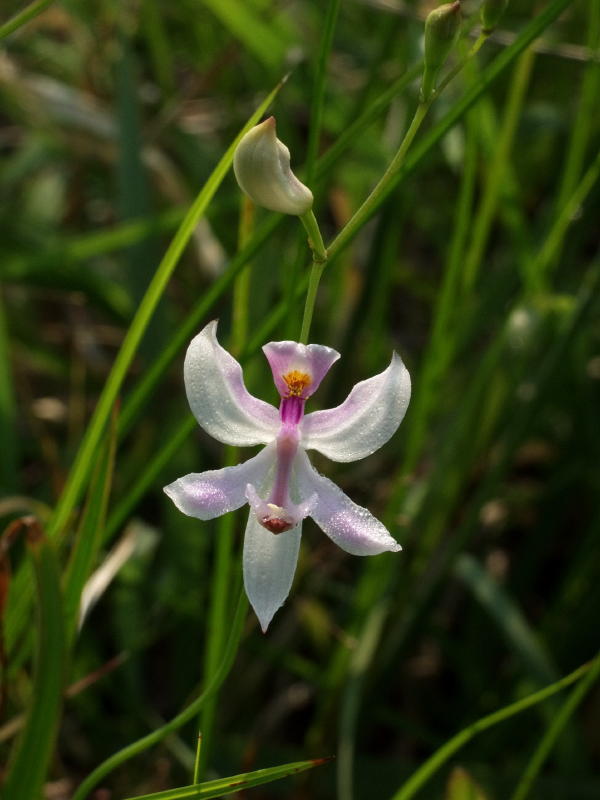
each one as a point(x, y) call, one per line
point(265, 622)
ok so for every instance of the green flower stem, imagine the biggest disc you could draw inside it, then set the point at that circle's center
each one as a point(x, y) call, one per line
point(319, 253)
point(452, 73)
point(552, 733)
point(23, 17)
point(388, 179)
point(374, 200)
point(184, 716)
point(441, 756)
point(315, 240)
point(311, 296)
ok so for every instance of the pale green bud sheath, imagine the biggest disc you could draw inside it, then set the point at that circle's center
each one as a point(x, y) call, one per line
point(490, 13)
point(262, 167)
point(441, 31)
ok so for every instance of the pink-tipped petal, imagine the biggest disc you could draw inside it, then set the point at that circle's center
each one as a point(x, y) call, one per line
point(269, 566)
point(365, 421)
point(287, 358)
point(350, 526)
point(218, 397)
point(207, 495)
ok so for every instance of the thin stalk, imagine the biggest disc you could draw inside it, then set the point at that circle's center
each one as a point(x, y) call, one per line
point(554, 730)
point(319, 253)
point(184, 716)
point(311, 296)
point(23, 17)
point(441, 756)
point(388, 178)
point(396, 171)
point(374, 200)
point(315, 240)
point(356, 128)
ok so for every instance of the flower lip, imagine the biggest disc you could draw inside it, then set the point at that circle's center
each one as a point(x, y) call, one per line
point(298, 369)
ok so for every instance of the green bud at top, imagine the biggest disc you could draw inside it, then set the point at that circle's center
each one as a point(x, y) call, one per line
point(491, 11)
point(441, 31)
point(262, 167)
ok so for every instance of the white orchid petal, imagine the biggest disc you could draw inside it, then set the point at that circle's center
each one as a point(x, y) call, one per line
point(269, 566)
point(350, 526)
point(364, 421)
point(207, 495)
point(218, 396)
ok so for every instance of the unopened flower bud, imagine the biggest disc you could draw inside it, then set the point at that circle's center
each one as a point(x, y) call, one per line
point(441, 31)
point(491, 12)
point(262, 167)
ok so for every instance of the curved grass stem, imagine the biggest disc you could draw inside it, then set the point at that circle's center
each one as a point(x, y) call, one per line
point(441, 756)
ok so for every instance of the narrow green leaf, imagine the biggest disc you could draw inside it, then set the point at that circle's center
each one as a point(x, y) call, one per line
point(34, 749)
point(23, 17)
point(554, 730)
point(81, 467)
point(90, 535)
point(435, 761)
point(235, 783)
point(267, 42)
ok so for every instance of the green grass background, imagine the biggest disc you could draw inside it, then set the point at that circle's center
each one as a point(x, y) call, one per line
point(481, 267)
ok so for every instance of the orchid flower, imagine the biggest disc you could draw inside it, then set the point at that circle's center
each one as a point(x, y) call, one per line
point(280, 484)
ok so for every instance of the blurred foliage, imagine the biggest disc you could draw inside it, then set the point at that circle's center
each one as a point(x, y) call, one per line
point(481, 268)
